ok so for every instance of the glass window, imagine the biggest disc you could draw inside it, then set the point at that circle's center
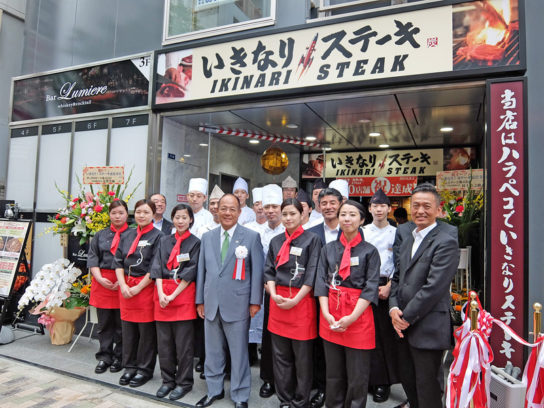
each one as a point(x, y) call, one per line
point(190, 19)
point(331, 8)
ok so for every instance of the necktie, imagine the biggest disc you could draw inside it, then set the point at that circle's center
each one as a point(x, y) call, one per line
point(139, 233)
point(345, 268)
point(173, 258)
point(225, 247)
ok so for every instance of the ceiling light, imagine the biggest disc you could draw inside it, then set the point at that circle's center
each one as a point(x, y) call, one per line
point(204, 144)
point(186, 155)
point(383, 146)
point(327, 149)
point(292, 126)
point(310, 138)
point(374, 134)
point(446, 129)
point(364, 120)
point(254, 141)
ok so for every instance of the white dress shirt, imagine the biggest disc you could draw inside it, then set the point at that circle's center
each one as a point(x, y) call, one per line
point(222, 236)
point(331, 234)
point(268, 233)
point(419, 236)
point(382, 239)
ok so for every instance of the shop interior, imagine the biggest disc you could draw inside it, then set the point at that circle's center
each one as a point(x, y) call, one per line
point(451, 117)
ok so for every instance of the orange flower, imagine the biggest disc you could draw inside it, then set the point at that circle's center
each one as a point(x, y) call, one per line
point(86, 289)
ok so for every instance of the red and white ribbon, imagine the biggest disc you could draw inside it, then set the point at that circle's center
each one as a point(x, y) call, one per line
point(239, 269)
point(533, 377)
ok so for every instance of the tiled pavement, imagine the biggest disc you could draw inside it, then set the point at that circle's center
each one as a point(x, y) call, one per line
point(34, 373)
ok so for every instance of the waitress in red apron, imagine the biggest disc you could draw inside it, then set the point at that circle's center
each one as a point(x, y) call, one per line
point(132, 266)
point(290, 271)
point(174, 271)
point(104, 288)
point(346, 284)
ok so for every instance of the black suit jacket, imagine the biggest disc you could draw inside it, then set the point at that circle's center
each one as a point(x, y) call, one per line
point(319, 230)
point(166, 227)
point(421, 286)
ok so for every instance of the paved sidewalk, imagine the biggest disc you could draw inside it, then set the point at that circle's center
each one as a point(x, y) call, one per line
point(34, 373)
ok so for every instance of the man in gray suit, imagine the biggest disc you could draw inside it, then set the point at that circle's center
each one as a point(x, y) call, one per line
point(229, 290)
point(420, 299)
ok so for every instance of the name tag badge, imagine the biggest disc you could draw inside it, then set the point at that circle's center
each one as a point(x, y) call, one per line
point(296, 251)
point(142, 243)
point(183, 257)
point(354, 261)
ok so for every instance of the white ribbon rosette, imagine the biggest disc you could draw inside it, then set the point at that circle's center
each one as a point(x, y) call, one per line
point(241, 253)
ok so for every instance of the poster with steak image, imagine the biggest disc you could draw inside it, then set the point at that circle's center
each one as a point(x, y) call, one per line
point(485, 34)
point(13, 235)
point(97, 88)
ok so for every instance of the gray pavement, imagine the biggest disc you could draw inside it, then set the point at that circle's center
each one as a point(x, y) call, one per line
point(34, 373)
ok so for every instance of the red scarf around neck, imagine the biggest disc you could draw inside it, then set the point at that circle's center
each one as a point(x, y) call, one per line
point(345, 264)
point(173, 258)
point(139, 234)
point(117, 237)
point(283, 254)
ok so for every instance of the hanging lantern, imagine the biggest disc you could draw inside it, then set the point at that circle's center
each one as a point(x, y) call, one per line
point(274, 160)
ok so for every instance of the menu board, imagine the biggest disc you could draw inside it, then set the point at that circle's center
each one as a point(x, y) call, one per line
point(13, 235)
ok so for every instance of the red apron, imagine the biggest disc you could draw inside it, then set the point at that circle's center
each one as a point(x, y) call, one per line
point(102, 297)
point(360, 334)
point(139, 308)
point(183, 307)
point(297, 323)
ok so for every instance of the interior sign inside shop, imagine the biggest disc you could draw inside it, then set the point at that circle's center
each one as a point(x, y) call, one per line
point(412, 43)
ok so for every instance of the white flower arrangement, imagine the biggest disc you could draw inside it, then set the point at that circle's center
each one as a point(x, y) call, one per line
point(241, 252)
point(51, 285)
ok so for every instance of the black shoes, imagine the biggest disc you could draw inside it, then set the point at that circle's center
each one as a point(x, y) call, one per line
point(101, 367)
point(126, 377)
point(267, 390)
point(164, 390)
point(318, 400)
point(179, 392)
point(381, 393)
point(240, 405)
point(116, 366)
point(199, 368)
point(138, 380)
point(207, 401)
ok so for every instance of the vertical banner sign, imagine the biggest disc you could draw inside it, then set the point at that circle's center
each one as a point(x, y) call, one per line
point(506, 217)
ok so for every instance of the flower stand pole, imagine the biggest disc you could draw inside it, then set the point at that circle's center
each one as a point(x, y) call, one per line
point(62, 328)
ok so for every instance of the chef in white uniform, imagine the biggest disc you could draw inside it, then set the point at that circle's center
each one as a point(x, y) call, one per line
point(260, 216)
point(241, 190)
point(197, 194)
point(213, 205)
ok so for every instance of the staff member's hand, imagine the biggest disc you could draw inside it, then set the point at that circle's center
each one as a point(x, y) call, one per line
point(399, 323)
point(126, 292)
point(200, 310)
point(254, 309)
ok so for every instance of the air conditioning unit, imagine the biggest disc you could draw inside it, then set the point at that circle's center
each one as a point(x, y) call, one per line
point(504, 390)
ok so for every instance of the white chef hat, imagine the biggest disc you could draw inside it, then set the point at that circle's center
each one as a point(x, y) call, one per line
point(240, 184)
point(289, 182)
point(198, 184)
point(216, 193)
point(272, 194)
point(257, 193)
point(341, 185)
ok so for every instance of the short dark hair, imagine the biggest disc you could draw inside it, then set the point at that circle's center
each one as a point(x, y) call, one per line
point(181, 207)
point(427, 188)
point(400, 213)
point(148, 202)
point(162, 195)
point(231, 195)
point(118, 203)
point(357, 205)
point(294, 202)
point(330, 191)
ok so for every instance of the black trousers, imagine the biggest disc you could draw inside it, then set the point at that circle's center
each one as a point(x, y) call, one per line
point(176, 352)
point(139, 347)
point(199, 348)
point(267, 367)
point(419, 372)
point(109, 335)
point(347, 376)
point(292, 361)
point(319, 371)
point(384, 362)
